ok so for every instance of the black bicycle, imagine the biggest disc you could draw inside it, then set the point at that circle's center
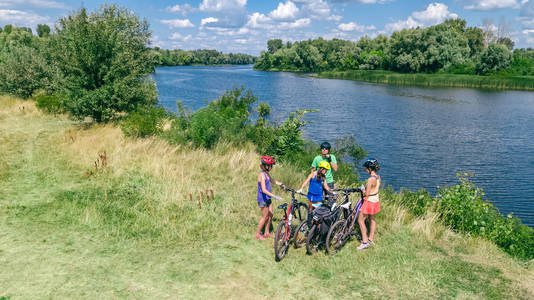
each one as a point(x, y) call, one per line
point(343, 229)
point(286, 230)
point(323, 216)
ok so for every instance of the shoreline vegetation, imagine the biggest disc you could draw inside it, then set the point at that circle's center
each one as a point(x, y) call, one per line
point(449, 54)
point(525, 83)
point(124, 226)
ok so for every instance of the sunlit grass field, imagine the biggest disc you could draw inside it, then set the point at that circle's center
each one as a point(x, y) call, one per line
point(436, 80)
point(76, 226)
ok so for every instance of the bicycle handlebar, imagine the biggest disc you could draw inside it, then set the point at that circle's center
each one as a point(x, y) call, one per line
point(348, 191)
point(284, 187)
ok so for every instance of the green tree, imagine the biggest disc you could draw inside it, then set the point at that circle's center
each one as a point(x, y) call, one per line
point(43, 30)
point(475, 39)
point(104, 59)
point(507, 42)
point(8, 28)
point(494, 58)
point(274, 45)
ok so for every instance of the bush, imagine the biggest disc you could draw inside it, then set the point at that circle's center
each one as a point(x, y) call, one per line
point(494, 58)
point(104, 60)
point(145, 122)
point(49, 103)
point(463, 208)
point(24, 70)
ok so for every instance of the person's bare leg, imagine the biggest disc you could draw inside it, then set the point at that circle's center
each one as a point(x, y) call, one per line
point(363, 228)
point(268, 221)
point(261, 223)
point(372, 227)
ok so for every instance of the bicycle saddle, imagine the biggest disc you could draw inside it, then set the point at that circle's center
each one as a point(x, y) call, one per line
point(283, 206)
point(346, 205)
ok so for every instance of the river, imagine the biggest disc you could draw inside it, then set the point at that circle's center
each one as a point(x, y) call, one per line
point(422, 137)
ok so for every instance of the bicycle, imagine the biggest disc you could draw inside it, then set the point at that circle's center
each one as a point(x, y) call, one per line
point(343, 229)
point(285, 232)
point(314, 236)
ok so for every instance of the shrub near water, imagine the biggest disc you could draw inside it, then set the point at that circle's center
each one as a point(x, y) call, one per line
point(462, 208)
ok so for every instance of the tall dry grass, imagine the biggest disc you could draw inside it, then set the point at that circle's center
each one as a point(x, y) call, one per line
point(128, 230)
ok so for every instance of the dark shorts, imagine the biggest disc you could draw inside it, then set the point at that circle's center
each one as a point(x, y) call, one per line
point(263, 204)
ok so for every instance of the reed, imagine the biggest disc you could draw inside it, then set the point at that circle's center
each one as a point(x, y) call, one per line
point(132, 227)
point(436, 80)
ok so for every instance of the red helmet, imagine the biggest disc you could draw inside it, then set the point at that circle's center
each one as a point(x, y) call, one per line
point(267, 160)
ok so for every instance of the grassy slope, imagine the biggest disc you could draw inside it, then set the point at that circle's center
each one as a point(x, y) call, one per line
point(126, 231)
point(436, 80)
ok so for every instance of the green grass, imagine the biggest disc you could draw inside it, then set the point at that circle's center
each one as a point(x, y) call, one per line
point(70, 231)
point(436, 80)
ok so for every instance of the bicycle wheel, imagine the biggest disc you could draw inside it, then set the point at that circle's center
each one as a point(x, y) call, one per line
point(336, 237)
point(281, 241)
point(302, 212)
point(300, 234)
point(312, 240)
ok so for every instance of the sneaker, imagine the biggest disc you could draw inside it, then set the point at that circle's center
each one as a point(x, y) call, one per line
point(259, 237)
point(371, 242)
point(363, 246)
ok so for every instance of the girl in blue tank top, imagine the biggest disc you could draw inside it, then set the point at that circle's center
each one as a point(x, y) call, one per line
point(264, 198)
point(317, 185)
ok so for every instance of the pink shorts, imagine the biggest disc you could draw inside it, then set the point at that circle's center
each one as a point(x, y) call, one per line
point(370, 208)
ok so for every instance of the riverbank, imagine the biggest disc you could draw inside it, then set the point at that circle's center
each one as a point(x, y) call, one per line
point(77, 225)
point(525, 83)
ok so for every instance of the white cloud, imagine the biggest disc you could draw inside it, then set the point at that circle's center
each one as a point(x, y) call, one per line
point(492, 4)
point(177, 36)
point(180, 9)
point(317, 9)
point(177, 23)
point(257, 20)
point(221, 5)
point(37, 3)
point(354, 27)
point(300, 23)
point(21, 18)
point(399, 25)
point(435, 13)
point(208, 20)
point(287, 11)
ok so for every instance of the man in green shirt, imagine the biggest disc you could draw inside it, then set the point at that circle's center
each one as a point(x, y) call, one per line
point(330, 158)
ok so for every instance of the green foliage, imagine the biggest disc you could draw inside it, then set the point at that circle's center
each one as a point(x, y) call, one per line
point(462, 207)
point(449, 47)
point(146, 121)
point(24, 68)
point(494, 58)
point(8, 28)
point(104, 60)
point(178, 57)
point(49, 103)
point(274, 45)
point(43, 30)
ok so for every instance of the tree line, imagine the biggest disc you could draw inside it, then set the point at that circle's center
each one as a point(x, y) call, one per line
point(449, 47)
point(178, 57)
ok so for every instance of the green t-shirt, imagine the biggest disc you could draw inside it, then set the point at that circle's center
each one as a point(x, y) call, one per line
point(329, 176)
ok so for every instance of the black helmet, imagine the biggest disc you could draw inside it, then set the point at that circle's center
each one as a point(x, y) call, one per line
point(371, 164)
point(326, 145)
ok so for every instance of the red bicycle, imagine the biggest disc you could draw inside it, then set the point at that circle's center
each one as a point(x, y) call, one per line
point(286, 231)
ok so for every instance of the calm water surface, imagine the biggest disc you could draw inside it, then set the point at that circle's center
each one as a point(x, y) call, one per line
point(422, 137)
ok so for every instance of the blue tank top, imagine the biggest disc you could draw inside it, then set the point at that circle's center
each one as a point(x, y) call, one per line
point(262, 197)
point(315, 190)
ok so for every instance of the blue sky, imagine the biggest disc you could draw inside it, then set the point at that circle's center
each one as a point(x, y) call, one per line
point(246, 25)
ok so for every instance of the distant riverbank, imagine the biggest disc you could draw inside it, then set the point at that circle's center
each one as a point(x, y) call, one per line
point(435, 80)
